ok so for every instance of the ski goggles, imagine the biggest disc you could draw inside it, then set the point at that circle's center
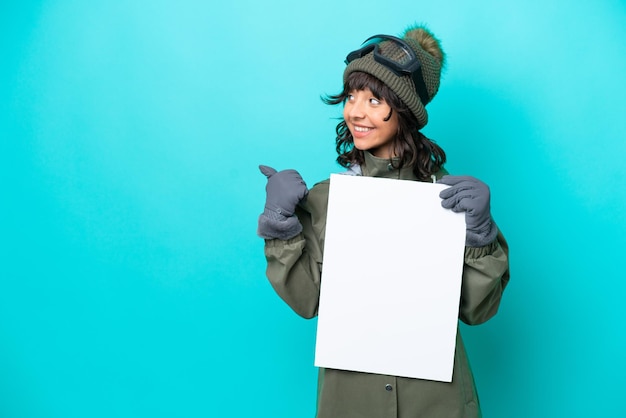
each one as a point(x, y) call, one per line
point(397, 56)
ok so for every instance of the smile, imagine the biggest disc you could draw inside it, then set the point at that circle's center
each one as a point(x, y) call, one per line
point(362, 129)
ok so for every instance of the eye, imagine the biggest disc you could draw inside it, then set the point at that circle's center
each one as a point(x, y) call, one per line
point(375, 101)
point(350, 97)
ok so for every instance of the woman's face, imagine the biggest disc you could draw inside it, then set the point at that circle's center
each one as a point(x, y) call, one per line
point(365, 116)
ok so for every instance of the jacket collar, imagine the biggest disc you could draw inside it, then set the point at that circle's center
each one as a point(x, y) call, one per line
point(383, 167)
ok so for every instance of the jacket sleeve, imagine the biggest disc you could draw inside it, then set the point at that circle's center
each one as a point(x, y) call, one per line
point(294, 266)
point(485, 275)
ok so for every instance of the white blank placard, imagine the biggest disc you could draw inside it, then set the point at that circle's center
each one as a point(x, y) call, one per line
point(391, 280)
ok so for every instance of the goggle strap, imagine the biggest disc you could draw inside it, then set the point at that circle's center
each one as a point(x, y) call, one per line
point(420, 85)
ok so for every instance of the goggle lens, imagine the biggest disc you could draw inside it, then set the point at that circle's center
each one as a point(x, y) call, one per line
point(392, 50)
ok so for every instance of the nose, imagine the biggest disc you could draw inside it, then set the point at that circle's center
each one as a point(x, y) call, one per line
point(355, 109)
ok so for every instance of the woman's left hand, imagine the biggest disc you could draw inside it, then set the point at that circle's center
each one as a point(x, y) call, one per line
point(470, 195)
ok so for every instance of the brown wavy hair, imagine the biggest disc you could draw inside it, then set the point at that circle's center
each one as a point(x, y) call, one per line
point(412, 148)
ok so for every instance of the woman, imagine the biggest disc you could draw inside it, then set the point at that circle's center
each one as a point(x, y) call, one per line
point(387, 84)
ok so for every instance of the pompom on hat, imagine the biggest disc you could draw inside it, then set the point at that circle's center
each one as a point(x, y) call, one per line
point(428, 50)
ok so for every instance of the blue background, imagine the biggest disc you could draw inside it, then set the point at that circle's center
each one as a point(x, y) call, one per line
point(131, 280)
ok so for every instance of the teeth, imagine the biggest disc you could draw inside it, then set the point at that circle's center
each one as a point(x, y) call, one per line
point(361, 129)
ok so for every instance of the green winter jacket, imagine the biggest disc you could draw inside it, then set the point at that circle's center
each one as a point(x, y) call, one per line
point(294, 268)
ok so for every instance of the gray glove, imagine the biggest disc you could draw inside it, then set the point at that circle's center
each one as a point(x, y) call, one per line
point(470, 195)
point(284, 190)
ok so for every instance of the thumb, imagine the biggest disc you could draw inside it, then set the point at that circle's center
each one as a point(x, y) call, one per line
point(267, 171)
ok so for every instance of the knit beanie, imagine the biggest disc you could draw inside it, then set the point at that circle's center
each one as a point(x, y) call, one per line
point(432, 58)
